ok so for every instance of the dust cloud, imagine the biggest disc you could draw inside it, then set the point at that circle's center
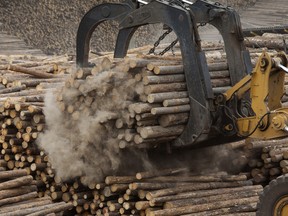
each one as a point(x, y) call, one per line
point(84, 142)
point(81, 137)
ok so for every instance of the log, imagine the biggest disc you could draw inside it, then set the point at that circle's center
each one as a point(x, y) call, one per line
point(156, 186)
point(170, 110)
point(142, 107)
point(175, 102)
point(219, 74)
point(218, 66)
point(160, 97)
point(140, 140)
point(109, 180)
point(34, 82)
point(200, 178)
point(202, 193)
point(21, 181)
point(30, 71)
point(142, 205)
point(204, 207)
point(170, 69)
point(220, 82)
point(210, 199)
point(169, 87)
point(140, 63)
point(12, 174)
point(42, 210)
point(248, 208)
point(173, 119)
point(200, 186)
point(17, 191)
point(158, 131)
point(119, 187)
point(31, 204)
point(265, 42)
point(163, 79)
point(150, 174)
point(12, 89)
point(256, 144)
point(19, 198)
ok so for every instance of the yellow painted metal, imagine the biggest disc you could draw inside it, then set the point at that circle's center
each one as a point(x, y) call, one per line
point(243, 83)
point(281, 207)
point(266, 85)
point(280, 121)
point(249, 127)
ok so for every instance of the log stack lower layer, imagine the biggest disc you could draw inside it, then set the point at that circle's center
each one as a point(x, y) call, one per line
point(270, 159)
point(18, 196)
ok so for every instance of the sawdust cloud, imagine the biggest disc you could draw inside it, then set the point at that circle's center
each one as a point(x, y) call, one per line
point(86, 146)
point(203, 160)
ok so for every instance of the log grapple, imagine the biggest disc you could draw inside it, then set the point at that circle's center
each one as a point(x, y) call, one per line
point(227, 115)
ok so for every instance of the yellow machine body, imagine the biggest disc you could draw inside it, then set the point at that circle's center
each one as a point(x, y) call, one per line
point(266, 86)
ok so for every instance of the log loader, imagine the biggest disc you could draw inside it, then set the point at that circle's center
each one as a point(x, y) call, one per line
point(250, 108)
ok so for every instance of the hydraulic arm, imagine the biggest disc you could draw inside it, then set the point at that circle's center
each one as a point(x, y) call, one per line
point(266, 87)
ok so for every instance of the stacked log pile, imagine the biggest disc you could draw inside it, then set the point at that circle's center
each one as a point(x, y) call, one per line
point(162, 110)
point(18, 196)
point(165, 192)
point(168, 192)
point(270, 159)
point(24, 82)
point(156, 114)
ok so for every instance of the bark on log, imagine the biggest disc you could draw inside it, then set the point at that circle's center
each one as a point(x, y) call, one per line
point(200, 186)
point(204, 207)
point(169, 87)
point(202, 193)
point(158, 131)
point(210, 199)
point(17, 191)
point(29, 71)
point(160, 97)
point(31, 204)
point(150, 174)
point(163, 79)
point(170, 110)
point(19, 198)
point(21, 181)
point(175, 102)
point(173, 119)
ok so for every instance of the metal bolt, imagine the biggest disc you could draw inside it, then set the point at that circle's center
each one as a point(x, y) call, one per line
point(105, 11)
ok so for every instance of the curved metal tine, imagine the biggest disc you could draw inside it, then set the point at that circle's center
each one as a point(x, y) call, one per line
point(226, 20)
point(97, 15)
point(179, 20)
point(123, 41)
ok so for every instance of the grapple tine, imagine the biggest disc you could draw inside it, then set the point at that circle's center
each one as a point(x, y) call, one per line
point(97, 15)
